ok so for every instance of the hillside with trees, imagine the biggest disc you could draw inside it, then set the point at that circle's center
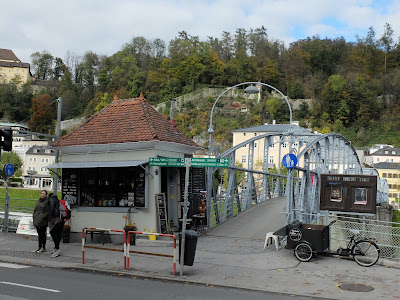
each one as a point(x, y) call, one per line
point(351, 87)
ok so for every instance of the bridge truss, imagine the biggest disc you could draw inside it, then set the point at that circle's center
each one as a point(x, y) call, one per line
point(255, 182)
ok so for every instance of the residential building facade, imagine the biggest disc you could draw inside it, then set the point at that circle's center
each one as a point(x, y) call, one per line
point(35, 172)
point(11, 66)
point(391, 172)
point(386, 154)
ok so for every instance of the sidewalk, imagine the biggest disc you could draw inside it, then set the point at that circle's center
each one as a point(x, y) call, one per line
point(220, 261)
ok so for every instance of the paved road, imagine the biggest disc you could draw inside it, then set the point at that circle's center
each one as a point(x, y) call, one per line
point(254, 222)
point(19, 282)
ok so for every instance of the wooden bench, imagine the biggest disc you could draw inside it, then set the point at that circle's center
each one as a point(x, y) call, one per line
point(102, 233)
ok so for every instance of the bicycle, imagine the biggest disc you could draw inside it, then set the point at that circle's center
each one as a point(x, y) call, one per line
point(364, 251)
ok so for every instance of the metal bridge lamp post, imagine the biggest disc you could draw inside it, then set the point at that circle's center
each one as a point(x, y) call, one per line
point(251, 89)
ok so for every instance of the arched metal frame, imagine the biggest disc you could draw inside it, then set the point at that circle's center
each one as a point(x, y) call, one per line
point(317, 154)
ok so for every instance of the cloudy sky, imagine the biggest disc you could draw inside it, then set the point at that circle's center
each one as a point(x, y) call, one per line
point(103, 26)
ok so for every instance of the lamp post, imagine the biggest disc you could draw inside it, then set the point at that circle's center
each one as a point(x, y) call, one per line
point(249, 90)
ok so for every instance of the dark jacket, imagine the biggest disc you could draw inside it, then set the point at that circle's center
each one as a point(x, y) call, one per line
point(41, 213)
point(54, 212)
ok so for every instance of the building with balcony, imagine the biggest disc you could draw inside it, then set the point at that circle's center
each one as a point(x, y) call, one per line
point(35, 171)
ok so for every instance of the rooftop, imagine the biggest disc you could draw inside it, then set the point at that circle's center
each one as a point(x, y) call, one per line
point(125, 121)
point(7, 54)
point(387, 165)
point(387, 151)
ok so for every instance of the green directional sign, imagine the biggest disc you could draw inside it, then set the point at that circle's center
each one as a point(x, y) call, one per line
point(210, 162)
point(166, 162)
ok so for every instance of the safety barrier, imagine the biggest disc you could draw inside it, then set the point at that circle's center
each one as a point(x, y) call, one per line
point(102, 248)
point(149, 253)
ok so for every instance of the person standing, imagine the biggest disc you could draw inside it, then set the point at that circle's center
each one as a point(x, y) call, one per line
point(56, 224)
point(40, 220)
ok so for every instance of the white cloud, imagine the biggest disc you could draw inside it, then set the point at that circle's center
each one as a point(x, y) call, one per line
point(104, 26)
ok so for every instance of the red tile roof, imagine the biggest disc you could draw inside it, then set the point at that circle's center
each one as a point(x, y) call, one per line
point(125, 121)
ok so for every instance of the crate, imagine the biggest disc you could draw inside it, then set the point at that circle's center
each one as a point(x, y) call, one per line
point(316, 235)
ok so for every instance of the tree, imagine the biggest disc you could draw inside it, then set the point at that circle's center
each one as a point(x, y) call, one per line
point(386, 40)
point(42, 65)
point(11, 158)
point(42, 114)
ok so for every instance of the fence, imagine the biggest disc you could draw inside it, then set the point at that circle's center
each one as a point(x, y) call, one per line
point(386, 233)
point(102, 248)
point(128, 251)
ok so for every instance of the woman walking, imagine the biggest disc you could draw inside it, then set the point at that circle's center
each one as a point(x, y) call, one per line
point(56, 224)
point(40, 220)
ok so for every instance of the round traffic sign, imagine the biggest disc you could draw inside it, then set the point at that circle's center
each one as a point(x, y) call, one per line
point(8, 169)
point(289, 161)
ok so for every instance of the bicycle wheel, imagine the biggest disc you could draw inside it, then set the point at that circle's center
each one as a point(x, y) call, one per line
point(365, 253)
point(303, 251)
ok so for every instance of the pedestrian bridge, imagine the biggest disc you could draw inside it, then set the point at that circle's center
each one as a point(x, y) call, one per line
point(259, 198)
point(253, 222)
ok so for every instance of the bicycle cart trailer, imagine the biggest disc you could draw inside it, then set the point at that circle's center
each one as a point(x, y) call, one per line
point(308, 240)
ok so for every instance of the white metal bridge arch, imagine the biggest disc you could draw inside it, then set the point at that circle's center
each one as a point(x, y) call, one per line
point(317, 154)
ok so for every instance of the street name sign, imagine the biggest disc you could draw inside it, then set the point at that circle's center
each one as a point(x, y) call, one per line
point(210, 162)
point(166, 162)
point(194, 162)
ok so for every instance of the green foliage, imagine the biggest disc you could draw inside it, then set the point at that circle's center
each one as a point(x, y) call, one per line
point(11, 158)
point(353, 86)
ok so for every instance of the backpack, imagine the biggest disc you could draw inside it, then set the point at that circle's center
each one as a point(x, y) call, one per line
point(65, 210)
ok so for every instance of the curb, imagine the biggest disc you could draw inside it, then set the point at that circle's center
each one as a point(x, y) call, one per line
point(176, 279)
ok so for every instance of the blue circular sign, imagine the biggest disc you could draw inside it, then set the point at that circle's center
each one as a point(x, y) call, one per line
point(289, 161)
point(9, 169)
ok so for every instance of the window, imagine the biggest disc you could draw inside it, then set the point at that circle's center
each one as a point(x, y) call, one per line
point(255, 134)
point(35, 150)
point(272, 146)
point(48, 151)
point(390, 186)
point(255, 144)
point(394, 152)
point(294, 145)
point(244, 133)
point(42, 159)
point(389, 175)
point(384, 175)
point(386, 152)
point(43, 169)
point(244, 158)
point(377, 159)
point(395, 175)
point(284, 145)
point(47, 160)
point(271, 159)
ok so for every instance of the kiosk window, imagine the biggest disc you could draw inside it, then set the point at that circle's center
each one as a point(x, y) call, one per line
point(115, 187)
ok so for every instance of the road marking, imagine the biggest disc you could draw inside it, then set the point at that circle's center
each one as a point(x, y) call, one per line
point(30, 286)
point(13, 266)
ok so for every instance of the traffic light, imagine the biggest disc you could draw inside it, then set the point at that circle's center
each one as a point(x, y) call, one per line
point(6, 139)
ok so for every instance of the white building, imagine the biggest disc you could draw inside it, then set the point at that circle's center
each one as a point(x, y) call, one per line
point(385, 154)
point(35, 171)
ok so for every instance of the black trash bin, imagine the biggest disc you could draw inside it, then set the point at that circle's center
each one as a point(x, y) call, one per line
point(190, 247)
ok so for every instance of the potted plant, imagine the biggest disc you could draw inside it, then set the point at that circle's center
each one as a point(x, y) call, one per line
point(66, 231)
point(130, 226)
